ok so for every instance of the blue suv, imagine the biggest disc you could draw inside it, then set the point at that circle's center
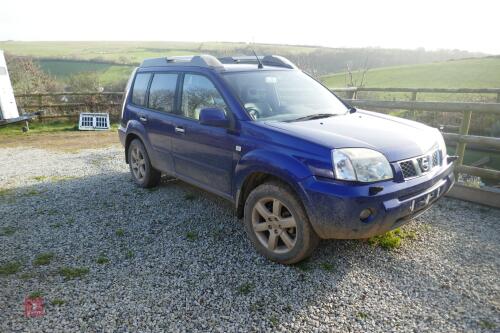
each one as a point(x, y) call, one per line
point(297, 162)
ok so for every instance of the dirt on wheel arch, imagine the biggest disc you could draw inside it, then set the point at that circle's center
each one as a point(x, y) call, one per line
point(62, 141)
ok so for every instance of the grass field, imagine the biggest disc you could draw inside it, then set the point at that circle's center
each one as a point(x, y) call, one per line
point(114, 61)
point(63, 59)
point(107, 73)
point(37, 127)
point(57, 136)
point(132, 52)
point(469, 73)
point(64, 68)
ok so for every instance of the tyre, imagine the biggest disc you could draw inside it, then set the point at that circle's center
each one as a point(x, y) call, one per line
point(277, 224)
point(141, 169)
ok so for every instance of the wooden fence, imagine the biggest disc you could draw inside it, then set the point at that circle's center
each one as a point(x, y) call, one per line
point(467, 109)
point(58, 101)
point(53, 104)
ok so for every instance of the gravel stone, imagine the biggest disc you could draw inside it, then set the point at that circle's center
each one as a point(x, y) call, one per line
point(159, 279)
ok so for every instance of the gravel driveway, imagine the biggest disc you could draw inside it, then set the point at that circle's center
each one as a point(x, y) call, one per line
point(119, 258)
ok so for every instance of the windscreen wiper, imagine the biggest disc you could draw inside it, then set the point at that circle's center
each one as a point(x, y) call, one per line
point(315, 116)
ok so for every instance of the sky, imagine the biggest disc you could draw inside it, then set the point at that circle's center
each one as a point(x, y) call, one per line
point(437, 24)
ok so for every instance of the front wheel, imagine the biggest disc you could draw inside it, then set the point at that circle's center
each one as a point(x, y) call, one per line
point(277, 224)
point(141, 169)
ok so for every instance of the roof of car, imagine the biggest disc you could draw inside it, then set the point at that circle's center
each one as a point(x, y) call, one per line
point(231, 64)
point(248, 68)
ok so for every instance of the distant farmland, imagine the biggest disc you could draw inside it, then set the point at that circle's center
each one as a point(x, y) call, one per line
point(114, 61)
point(135, 52)
point(467, 73)
point(107, 73)
point(470, 73)
point(107, 58)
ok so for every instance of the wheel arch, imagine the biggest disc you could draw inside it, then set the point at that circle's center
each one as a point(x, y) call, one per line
point(136, 130)
point(130, 137)
point(264, 167)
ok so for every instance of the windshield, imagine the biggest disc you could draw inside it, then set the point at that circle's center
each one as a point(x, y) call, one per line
point(283, 95)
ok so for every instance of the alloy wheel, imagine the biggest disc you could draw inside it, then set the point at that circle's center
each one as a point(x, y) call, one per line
point(274, 225)
point(138, 163)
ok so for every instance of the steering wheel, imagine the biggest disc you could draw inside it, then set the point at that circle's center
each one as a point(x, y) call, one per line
point(254, 113)
point(253, 110)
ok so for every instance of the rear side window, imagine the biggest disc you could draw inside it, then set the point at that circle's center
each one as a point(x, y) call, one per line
point(162, 92)
point(140, 87)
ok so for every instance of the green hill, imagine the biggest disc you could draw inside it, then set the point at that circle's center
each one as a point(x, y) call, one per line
point(107, 73)
point(113, 61)
point(63, 59)
point(467, 73)
point(134, 52)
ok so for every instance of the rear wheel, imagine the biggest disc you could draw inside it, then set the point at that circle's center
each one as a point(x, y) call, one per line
point(277, 224)
point(141, 169)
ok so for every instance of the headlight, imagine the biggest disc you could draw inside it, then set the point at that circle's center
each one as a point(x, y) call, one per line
point(360, 164)
point(441, 145)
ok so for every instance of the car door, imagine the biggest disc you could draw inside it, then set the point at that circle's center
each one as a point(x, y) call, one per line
point(154, 114)
point(157, 117)
point(203, 154)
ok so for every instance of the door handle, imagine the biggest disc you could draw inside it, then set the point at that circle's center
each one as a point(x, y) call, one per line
point(179, 130)
point(143, 119)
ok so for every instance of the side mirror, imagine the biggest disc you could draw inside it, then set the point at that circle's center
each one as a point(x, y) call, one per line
point(213, 117)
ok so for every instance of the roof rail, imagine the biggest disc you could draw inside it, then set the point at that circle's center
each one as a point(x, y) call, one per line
point(204, 60)
point(269, 60)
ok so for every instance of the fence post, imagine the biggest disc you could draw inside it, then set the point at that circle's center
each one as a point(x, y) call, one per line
point(39, 100)
point(413, 112)
point(464, 130)
point(39, 103)
point(351, 93)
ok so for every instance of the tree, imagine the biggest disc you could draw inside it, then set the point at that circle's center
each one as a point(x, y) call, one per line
point(84, 82)
point(350, 81)
point(28, 78)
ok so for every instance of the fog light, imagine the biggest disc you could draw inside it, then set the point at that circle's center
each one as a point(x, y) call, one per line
point(365, 214)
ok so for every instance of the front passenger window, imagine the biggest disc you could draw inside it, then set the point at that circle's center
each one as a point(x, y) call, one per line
point(199, 92)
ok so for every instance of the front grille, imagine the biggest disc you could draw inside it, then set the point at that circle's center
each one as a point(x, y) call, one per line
point(435, 158)
point(420, 165)
point(408, 169)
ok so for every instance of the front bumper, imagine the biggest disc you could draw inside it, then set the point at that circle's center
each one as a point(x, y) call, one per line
point(334, 207)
